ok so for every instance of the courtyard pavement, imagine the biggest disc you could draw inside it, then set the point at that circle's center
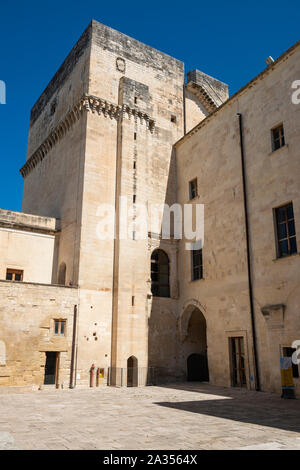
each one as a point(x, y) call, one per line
point(179, 416)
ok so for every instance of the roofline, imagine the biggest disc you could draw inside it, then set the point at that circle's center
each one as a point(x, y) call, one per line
point(264, 72)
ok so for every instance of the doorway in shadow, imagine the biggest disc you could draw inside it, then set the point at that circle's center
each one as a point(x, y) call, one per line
point(195, 345)
point(132, 372)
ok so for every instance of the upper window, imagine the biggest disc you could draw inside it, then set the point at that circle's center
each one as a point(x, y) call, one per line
point(14, 275)
point(197, 264)
point(286, 233)
point(160, 286)
point(193, 190)
point(277, 137)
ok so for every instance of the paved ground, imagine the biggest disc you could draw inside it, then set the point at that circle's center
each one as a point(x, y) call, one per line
point(186, 416)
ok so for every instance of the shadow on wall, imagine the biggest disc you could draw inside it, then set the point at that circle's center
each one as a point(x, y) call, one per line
point(173, 355)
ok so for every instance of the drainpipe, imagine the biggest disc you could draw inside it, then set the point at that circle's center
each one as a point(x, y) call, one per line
point(250, 287)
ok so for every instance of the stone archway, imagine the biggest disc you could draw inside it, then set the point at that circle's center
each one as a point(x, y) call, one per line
point(193, 336)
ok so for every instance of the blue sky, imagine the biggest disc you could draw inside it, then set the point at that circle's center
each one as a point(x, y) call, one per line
point(228, 40)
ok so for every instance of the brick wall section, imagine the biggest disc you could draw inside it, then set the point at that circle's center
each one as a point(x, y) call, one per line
point(27, 312)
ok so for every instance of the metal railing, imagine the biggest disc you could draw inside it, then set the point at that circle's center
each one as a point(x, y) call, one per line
point(138, 376)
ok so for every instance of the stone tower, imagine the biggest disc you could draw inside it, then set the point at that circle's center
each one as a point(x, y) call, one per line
point(104, 128)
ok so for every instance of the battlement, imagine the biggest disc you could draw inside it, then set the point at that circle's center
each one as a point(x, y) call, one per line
point(115, 42)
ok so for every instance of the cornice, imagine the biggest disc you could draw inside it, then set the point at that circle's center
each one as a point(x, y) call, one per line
point(88, 103)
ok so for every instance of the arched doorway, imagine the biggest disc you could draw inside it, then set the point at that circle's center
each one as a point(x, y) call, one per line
point(194, 344)
point(132, 372)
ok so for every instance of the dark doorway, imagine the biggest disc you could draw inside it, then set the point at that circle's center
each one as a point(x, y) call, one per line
point(197, 368)
point(51, 368)
point(132, 372)
point(238, 362)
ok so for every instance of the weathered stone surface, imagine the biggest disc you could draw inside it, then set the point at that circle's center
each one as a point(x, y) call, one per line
point(105, 128)
point(189, 416)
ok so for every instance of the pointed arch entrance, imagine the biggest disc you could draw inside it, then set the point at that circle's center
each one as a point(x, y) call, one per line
point(194, 343)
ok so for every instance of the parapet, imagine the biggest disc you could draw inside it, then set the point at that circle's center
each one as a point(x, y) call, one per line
point(19, 220)
point(210, 91)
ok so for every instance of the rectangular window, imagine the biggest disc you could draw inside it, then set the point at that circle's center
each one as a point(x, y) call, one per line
point(277, 137)
point(288, 352)
point(14, 275)
point(197, 264)
point(238, 361)
point(193, 189)
point(59, 327)
point(285, 228)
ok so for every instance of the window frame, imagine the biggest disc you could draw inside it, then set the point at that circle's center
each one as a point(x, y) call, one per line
point(280, 139)
point(60, 321)
point(191, 197)
point(195, 267)
point(14, 272)
point(288, 237)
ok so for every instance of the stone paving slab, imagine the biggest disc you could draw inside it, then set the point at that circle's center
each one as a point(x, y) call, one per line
point(178, 416)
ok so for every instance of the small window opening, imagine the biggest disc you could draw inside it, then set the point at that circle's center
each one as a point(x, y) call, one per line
point(277, 137)
point(14, 275)
point(59, 327)
point(193, 190)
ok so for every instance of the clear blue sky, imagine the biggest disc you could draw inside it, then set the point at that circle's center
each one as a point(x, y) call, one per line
point(228, 40)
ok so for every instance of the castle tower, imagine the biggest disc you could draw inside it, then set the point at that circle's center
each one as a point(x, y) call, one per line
point(104, 128)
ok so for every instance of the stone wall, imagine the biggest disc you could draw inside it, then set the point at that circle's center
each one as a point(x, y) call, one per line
point(212, 154)
point(27, 314)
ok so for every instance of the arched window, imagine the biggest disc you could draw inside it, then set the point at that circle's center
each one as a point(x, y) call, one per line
point(160, 285)
point(62, 274)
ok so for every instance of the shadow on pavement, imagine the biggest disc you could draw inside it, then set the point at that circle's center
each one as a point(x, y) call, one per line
point(263, 409)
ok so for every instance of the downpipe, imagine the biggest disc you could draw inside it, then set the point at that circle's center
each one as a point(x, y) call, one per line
point(249, 266)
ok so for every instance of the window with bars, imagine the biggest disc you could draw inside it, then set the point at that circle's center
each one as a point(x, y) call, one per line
point(193, 190)
point(160, 282)
point(14, 275)
point(60, 327)
point(277, 137)
point(197, 264)
point(286, 233)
